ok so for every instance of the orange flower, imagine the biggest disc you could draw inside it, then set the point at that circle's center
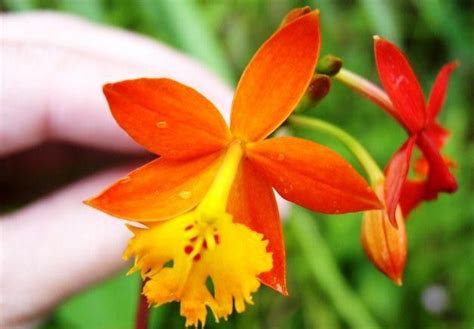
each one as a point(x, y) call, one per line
point(207, 202)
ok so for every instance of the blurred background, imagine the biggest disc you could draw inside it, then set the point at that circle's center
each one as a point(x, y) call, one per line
point(331, 283)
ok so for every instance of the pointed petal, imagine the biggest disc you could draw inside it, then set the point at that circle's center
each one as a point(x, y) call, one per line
point(401, 84)
point(440, 88)
point(276, 79)
point(167, 118)
point(312, 175)
point(159, 190)
point(439, 177)
point(396, 174)
point(413, 193)
point(252, 203)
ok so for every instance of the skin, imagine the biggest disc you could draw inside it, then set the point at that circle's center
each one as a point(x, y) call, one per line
point(51, 91)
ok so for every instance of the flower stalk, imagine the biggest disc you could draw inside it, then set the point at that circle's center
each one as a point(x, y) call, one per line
point(362, 155)
point(365, 88)
point(143, 309)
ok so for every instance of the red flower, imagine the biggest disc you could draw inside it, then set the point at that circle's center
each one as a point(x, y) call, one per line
point(419, 120)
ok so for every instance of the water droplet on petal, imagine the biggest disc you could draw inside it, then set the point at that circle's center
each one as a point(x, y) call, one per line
point(281, 157)
point(162, 124)
point(185, 195)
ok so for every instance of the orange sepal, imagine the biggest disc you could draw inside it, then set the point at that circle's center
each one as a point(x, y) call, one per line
point(385, 244)
point(312, 175)
point(252, 203)
point(159, 190)
point(167, 118)
point(276, 79)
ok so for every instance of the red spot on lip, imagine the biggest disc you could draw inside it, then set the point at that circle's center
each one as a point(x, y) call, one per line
point(197, 257)
point(204, 244)
point(217, 239)
point(194, 239)
point(187, 228)
point(188, 249)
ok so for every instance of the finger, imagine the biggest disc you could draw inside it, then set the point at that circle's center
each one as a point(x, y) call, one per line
point(54, 247)
point(52, 85)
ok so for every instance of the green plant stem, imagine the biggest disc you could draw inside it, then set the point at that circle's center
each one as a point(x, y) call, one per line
point(325, 272)
point(365, 159)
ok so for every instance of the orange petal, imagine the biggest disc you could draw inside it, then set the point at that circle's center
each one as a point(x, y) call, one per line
point(253, 204)
point(167, 118)
point(312, 175)
point(276, 79)
point(160, 190)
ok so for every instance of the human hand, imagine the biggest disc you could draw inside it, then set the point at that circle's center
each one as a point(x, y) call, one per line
point(53, 68)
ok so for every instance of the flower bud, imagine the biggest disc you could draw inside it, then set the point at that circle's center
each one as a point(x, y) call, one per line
point(384, 244)
point(329, 65)
point(318, 89)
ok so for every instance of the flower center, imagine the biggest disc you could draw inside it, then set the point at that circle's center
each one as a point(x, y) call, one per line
point(203, 233)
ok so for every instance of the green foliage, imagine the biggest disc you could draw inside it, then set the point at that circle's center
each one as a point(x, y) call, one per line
point(224, 35)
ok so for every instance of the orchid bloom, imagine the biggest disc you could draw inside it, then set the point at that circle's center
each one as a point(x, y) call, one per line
point(420, 121)
point(206, 205)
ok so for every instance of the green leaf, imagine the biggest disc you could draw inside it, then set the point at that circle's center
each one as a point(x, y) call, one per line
point(109, 305)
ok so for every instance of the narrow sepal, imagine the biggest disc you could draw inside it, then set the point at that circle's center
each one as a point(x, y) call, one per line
point(439, 90)
point(396, 174)
point(401, 85)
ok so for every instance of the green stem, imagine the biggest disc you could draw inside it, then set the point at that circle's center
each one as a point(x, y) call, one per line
point(326, 273)
point(365, 159)
point(365, 88)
